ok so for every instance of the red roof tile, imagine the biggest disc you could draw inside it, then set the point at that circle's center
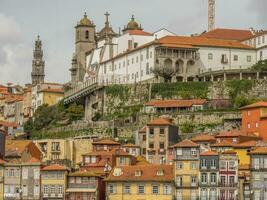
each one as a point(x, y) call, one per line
point(54, 167)
point(209, 153)
point(245, 144)
point(235, 133)
point(9, 124)
point(203, 42)
point(148, 173)
point(139, 32)
point(229, 34)
point(160, 121)
point(223, 143)
point(181, 103)
point(259, 104)
point(204, 138)
point(186, 143)
point(259, 150)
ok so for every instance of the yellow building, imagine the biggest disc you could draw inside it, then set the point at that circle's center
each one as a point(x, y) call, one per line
point(186, 169)
point(1, 179)
point(53, 182)
point(149, 182)
point(70, 150)
point(243, 151)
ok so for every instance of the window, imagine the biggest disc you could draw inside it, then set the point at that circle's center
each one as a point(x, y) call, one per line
point(141, 57)
point(261, 54)
point(36, 190)
point(45, 189)
point(93, 159)
point(256, 163)
point(136, 59)
point(257, 125)
point(60, 175)
point(203, 163)
point(193, 152)
point(6, 172)
point(213, 164)
point(179, 194)
point(265, 163)
point(86, 34)
point(204, 178)
point(231, 180)
point(248, 125)
point(138, 173)
point(257, 195)
point(155, 189)
point(11, 172)
point(55, 146)
point(135, 45)
point(24, 173)
point(224, 58)
point(257, 177)
point(24, 190)
point(167, 189)
point(122, 161)
point(36, 173)
point(111, 189)
point(213, 178)
point(193, 165)
point(193, 181)
point(193, 195)
point(234, 140)
point(179, 181)
point(179, 152)
point(235, 57)
point(144, 137)
point(162, 131)
point(151, 145)
point(179, 165)
point(132, 60)
point(248, 113)
point(232, 165)
point(248, 58)
point(141, 189)
point(151, 132)
point(147, 68)
point(52, 189)
point(161, 145)
point(127, 189)
point(210, 56)
point(147, 53)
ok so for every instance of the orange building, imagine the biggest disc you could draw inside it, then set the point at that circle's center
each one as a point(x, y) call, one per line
point(254, 119)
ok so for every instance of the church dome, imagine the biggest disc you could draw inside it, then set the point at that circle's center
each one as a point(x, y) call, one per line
point(132, 25)
point(85, 21)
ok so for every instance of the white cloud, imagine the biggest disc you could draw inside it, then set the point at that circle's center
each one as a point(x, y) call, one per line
point(15, 55)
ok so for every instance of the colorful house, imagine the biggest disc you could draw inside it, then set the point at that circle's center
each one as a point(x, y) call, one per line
point(53, 182)
point(228, 172)
point(86, 185)
point(105, 144)
point(186, 169)
point(254, 119)
point(209, 175)
point(150, 182)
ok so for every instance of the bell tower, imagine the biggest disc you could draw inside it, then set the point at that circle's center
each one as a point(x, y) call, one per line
point(84, 42)
point(211, 15)
point(38, 63)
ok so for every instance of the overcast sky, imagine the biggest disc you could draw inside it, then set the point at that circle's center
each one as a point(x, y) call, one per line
point(22, 20)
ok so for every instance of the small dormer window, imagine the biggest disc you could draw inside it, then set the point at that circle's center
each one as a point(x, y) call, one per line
point(160, 173)
point(138, 173)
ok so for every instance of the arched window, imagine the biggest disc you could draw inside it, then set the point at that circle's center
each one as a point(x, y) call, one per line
point(86, 34)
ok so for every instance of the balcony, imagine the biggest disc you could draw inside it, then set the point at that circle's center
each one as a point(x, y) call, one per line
point(228, 185)
point(83, 186)
point(187, 185)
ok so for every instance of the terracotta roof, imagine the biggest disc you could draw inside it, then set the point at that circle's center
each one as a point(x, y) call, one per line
point(223, 143)
point(9, 124)
point(106, 142)
point(186, 143)
point(229, 34)
point(235, 133)
point(181, 103)
point(202, 41)
point(178, 46)
point(203, 138)
point(259, 104)
point(2, 162)
point(98, 153)
point(131, 145)
point(209, 153)
point(17, 145)
point(139, 32)
point(160, 121)
point(33, 160)
point(54, 167)
point(148, 173)
point(259, 150)
point(245, 144)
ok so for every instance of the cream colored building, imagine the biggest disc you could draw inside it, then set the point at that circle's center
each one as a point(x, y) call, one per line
point(68, 150)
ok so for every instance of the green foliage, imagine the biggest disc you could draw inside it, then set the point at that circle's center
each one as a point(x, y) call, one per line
point(75, 112)
point(237, 91)
point(187, 127)
point(120, 91)
point(260, 66)
point(183, 89)
point(43, 116)
point(28, 126)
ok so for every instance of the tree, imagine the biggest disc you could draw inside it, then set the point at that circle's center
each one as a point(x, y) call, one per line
point(166, 72)
point(260, 66)
point(75, 112)
point(43, 116)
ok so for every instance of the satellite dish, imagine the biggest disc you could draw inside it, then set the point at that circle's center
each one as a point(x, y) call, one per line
point(117, 172)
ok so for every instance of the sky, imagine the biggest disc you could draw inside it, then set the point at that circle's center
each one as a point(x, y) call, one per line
point(54, 20)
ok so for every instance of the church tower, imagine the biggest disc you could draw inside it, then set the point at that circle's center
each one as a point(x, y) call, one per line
point(38, 63)
point(84, 42)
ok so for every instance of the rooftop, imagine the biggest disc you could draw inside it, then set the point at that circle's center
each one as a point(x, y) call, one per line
point(209, 153)
point(160, 121)
point(259, 104)
point(54, 167)
point(106, 142)
point(186, 143)
point(203, 138)
point(223, 143)
point(146, 173)
point(259, 150)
